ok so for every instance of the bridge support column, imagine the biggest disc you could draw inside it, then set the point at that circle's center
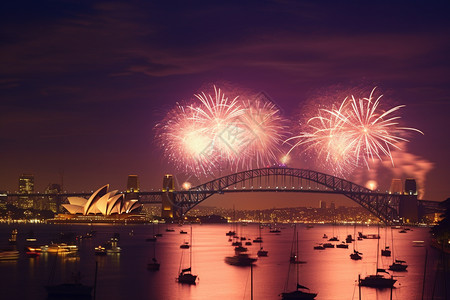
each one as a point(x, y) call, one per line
point(168, 209)
point(408, 208)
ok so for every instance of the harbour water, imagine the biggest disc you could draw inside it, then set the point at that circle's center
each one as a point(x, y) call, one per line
point(330, 273)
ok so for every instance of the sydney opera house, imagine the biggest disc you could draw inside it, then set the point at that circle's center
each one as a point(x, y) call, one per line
point(102, 206)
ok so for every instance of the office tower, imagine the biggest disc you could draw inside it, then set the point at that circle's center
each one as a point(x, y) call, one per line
point(53, 203)
point(333, 205)
point(323, 204)
point(26, 186)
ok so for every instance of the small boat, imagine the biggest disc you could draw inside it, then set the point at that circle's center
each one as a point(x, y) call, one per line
point(258, 240)
point(328, 245)
point(398, 266)
point(402, 231)
point(343, 245)
point(151, 239)
point(158, 234)
point(418, 243)
point(240, 249)
point(325, 236)
point(230, 233)
point(183, 232)
point(377, 281)
point(241, 259)
point(33, 252)
point(386, 251)
point(170, 230)
point(356, 255)
point(113, 248)
point(309, 226)
point(100, 250)
point(319, 247)
point(236, 244)
point(349, 239)
point(262, 252)
point(248, 243)
point(275, 230)
point(9, 254)
point(334, 239)
point(185, 245)
point(154, 265)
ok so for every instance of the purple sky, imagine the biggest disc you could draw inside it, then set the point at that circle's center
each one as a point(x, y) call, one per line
point(82, 85)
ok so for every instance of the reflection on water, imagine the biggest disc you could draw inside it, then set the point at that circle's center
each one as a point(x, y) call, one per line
point(330, 273)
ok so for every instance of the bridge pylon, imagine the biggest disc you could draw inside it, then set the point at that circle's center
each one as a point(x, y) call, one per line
point(168, 207)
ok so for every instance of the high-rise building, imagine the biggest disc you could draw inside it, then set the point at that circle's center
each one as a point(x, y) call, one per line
point(333, 205)
point(132, 184)
point(53, 203)
point(323, 204)
point(26, 186)
point(396, 186)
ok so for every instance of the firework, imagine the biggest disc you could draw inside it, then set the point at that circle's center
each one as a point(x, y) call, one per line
point(353, 133)
point(215, 133)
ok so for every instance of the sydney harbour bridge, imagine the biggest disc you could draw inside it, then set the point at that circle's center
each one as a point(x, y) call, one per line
point(388, 207)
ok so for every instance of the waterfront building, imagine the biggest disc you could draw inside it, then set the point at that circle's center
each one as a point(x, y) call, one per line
point(102, 206)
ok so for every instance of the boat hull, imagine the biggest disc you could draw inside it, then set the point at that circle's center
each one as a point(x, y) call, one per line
point(298, 295)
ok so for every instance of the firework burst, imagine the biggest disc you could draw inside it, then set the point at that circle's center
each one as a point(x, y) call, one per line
point(215, 133)
point(353, 133)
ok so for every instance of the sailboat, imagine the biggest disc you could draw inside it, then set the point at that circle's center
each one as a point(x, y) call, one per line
point(355, 255)
point(293, 259)
point(378, 280)
point(386, 251)
point(154, 264)
point(185, 275)
point(261, 251)
point(397, 264)
point(71, 289)
point(301, 292)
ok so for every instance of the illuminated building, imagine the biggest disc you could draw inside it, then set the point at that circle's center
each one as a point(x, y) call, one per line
point(322, 204)
point(101, 202)
point(53, 202)
point(26, 186)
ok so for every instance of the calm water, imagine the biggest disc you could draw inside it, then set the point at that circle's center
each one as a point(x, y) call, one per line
point(330, 273)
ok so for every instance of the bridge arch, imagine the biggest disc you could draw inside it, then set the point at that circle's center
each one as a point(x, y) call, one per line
point(382, 205)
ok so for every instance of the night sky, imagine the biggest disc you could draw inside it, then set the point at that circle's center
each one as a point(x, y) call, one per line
point(83, 83)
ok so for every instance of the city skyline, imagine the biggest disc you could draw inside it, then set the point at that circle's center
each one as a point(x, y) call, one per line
point(83, 85)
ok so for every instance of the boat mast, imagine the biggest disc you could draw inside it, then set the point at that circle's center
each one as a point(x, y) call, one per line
point(190, 252)
point(378, 245)
point(296, 264)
